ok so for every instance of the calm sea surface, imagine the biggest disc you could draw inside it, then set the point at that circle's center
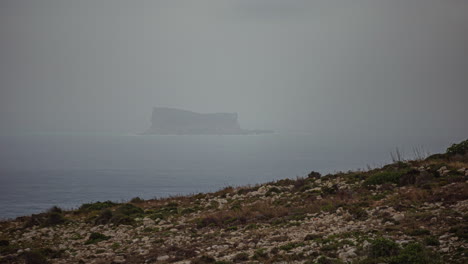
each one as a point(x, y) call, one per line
point(38, 171)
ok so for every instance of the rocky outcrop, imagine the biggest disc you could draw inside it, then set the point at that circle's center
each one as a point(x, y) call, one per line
point(171, 121)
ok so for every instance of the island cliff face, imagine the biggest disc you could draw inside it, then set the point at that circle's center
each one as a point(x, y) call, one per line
point(171, 121)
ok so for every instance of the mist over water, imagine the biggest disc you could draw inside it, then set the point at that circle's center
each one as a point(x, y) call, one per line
point(67, 169)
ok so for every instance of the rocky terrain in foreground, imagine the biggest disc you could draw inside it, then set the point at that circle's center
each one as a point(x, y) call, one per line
point(406, 212)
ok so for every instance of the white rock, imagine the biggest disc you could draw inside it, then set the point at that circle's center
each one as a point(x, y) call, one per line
point(162, 258)
point(119, 259)
point(398, 217)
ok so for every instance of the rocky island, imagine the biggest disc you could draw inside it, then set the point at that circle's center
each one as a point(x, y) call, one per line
point(407, 212)
point(171, 121)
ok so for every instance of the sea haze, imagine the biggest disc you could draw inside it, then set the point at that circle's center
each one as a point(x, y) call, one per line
point(39, 171)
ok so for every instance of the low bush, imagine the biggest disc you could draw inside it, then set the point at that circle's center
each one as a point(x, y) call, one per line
point(96, 238)
point(458, 149)
point(137, 200)
point(203, 260)
point(431, 241)
point(35, 257)
point(52, 217)
point(129, 209)
point(383, 247)
point(97, 206)
point(384, 177)
point(241, 257)
point(104, 217)
point(414, 253)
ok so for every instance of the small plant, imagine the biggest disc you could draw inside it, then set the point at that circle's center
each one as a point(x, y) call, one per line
point(104, 217)
point(96, 238)
point(241, 257)
point(272, 191)
point(204, 260)
point(136, 200)
point(290, 246)
point(419, 232)
point(312, 237)
point(382, 247)
point(431, 241)
point(54, 218)
point(358, 213)
point(458, 149)
point(260, 254)
point(115, 246)
point(35, 257)
point(314, 175)
point(384, 177)
point(414, 253)
point(97, 206)
point(129, 209)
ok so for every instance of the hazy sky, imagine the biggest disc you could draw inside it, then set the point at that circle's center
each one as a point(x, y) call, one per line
point(355, 68)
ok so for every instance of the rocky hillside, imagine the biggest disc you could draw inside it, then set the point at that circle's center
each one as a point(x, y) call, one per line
point(406, 212)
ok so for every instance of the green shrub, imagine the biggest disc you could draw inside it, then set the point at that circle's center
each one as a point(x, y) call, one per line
point(137, 200)
point(50, 218)
point(384, 177)
point(35, 257)
point(414, 253)
point(431, 241)
point(312, 237)
point(203, 260)
point(314, 175)
point(96, 237)
point(358, 213)
point(121, 219)
point(382, 247)
point(460, 231)
point(97, 206)
point(458, 149)
point(129, 209)
point(104, 217)
point(241, 257)
point(54, 218)
point(260, 254)
point(272, 191)
point(419, 232)
point(290, 246)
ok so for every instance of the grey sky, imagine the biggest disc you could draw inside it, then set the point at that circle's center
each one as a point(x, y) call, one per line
point(363, 67)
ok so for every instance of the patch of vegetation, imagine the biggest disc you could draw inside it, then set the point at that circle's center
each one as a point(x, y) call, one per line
point(458, 149)
point(314, 175)
point(52, 217)
point(241, 257)
point(460, 231)
point(414, 253)
point(431, 241)
point(97, 206)
point(136, 200)
point(129, 209)
point(272, 191)
point(358, 213)
point(384, 177)
point(104, 217)
point(291, 245)
point(96, 238)
point(419, 232)
point(8, 248)
point(312, 237)
point(203, 260)
point(35, 257)
point(260, 254)
point(382, 247)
